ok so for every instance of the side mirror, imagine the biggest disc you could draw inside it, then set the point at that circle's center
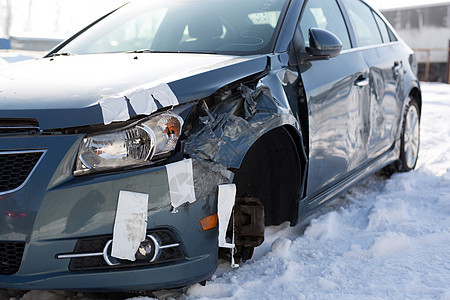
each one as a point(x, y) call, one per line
point(323, 44)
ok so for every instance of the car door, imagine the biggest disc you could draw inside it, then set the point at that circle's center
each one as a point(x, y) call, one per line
point(337, 92)
point(385, 71)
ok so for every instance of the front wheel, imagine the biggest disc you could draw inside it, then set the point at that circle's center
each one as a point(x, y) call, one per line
point(410, 139)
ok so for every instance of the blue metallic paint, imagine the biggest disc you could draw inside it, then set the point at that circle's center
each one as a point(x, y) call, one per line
point(350, 132)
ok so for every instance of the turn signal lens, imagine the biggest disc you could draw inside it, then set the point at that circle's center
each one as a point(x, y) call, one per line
point(209, 222)
point(166, 129)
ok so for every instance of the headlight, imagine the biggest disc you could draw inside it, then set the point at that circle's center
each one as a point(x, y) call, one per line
point(130, 147)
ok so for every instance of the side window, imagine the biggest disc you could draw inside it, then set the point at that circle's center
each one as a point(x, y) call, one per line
point(383, 29)
point(363, 22)
point(324, 14)
point(392, 36)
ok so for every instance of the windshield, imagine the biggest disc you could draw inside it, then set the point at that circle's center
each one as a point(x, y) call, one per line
point(211, 26)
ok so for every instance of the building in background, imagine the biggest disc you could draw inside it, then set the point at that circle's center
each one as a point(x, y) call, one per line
point(425, 28)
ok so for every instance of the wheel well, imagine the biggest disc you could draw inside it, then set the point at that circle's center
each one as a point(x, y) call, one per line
point(272, 172)
point(415, 93)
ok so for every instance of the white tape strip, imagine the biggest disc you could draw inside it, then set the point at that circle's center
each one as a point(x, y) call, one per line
point(114, 110)
point(143, 103)
point(130, 226)
point(164, 94)
point(181, 182)
point(143, 100)
point(225, 203)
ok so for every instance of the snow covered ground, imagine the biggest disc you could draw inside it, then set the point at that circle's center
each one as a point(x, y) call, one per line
point(384, 239)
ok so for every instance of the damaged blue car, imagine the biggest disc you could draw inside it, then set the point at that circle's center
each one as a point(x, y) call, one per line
point(166, 130)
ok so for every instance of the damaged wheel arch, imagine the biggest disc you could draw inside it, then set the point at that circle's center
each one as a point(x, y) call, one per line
point(272, 172)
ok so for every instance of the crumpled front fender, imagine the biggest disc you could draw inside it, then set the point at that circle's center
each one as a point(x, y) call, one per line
point(236, 123)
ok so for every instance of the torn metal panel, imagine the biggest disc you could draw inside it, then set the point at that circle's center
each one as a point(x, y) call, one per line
point(211, 144)
point(277, 92)
point(207, 176)
point(236, 125)
point(130, 225)
point(181, 183)
point(287, 76)
point(249, 104)
point(225, 203)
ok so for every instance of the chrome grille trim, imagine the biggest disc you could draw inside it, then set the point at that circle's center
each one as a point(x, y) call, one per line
point(22, 129)
point(43, 152)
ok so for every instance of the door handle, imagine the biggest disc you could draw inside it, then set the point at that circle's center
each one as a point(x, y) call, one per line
point(398, 65)
point(362, 81)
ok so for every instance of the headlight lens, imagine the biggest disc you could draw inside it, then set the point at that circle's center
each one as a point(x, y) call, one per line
point(130, 147)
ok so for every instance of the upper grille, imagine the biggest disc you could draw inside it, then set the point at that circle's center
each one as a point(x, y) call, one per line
point(16, 167)
point(18, 127)
point(10, 257)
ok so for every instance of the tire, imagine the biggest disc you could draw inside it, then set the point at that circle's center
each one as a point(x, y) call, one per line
point(270, 172)
point(410, 138)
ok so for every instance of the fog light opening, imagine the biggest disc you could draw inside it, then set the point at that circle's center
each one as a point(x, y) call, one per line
point(148, 249)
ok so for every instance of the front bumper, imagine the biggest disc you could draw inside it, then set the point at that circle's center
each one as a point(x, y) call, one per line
point(54, 210)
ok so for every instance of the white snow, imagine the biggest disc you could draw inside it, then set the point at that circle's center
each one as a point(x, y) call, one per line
point(384, 239)
point(281, 247)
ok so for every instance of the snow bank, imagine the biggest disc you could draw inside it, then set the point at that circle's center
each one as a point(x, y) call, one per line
point(281, 247)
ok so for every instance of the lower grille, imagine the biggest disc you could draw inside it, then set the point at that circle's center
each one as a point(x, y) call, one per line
point(10, 257)
point(16, 167)
point(97, 245)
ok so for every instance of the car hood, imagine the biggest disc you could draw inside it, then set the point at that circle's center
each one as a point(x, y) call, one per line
point(66, 91)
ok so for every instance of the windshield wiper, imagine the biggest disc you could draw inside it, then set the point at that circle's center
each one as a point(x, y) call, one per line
point(59, 54)
point(169, 51)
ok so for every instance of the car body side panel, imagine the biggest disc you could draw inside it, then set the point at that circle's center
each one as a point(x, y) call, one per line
point(338, 119)
point(386, 97)
point(410, 80)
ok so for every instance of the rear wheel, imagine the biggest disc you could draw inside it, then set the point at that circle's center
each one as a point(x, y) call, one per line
point(410, 139)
